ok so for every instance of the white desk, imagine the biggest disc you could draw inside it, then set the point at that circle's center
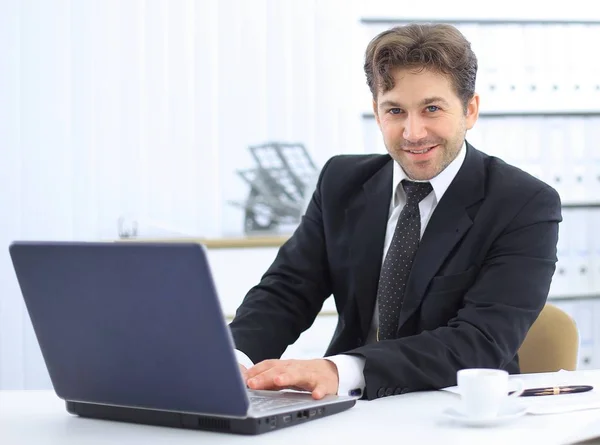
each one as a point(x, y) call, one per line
point(39, 417)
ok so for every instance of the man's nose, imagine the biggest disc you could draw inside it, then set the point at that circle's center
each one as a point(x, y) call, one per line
point(414, 129)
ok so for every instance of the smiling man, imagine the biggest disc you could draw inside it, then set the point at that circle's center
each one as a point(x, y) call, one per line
point(439, 257)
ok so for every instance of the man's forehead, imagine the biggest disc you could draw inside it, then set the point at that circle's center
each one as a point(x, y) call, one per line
point(403, 74)
point(423, 101)
point(421, 87)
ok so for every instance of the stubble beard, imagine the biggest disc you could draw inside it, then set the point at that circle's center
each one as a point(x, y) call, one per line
point(440, 163)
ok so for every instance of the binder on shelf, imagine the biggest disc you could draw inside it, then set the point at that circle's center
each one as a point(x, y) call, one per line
point(533, 154)
point(512, 62)
point(533, 44)
point(592, 155)
point(576, 161)
point(489, 66)
point(495, 145)
point(514, 132)
point(556, 83)
point(586, 313)
point(589, 72)
point(580, 280)
point(560, 280)
point(554, 141)
point(576, 62)
point(594, 218)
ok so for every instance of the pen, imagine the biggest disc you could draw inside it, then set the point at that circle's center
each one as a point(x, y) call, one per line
point(556, 390)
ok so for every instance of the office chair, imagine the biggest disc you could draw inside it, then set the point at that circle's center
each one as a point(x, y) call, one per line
point(551, 344)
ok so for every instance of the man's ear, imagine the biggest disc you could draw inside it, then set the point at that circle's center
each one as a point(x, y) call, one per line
point(376, 113)
point(472, 111)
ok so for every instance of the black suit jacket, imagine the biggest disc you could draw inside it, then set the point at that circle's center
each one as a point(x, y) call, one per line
point(480, 277)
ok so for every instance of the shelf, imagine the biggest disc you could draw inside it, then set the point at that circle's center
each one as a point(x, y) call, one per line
point(581, 296)
point(394, 21)
point(522, 114)
point(581, 205)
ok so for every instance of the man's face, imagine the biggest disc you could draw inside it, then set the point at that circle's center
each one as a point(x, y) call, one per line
point(423, 121)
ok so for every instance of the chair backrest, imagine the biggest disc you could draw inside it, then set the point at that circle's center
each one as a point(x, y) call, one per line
point(551, 344)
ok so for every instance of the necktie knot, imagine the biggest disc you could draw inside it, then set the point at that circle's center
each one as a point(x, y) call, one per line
point(416, 191)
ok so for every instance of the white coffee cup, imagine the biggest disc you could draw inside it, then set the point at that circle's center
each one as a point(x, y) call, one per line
point(484, 391)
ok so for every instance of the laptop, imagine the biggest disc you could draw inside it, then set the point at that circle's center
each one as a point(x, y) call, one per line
point(133, 331)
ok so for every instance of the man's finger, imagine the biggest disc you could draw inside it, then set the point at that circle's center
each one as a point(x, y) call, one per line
point(319, 392)
point(263, 366)
point(284, 378)
point(273, 378)
point(244, 372)
point(263, 383)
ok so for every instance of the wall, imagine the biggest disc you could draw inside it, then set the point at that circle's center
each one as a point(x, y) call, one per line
point(144, 108)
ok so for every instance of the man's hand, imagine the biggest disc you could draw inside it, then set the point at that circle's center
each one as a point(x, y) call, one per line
point(244, 372)
point(320, 376)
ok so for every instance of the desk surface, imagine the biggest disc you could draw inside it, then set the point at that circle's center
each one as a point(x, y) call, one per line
point(244, 242)
point(39, 417)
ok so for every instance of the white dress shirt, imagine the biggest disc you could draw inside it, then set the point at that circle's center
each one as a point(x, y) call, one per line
point(350, 368)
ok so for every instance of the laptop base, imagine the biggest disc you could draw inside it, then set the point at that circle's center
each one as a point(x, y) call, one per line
point(248, 426)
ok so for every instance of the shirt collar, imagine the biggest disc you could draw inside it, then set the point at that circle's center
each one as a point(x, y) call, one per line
point(440, 183)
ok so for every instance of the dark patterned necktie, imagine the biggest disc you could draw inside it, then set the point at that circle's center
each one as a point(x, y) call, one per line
point(398, 260)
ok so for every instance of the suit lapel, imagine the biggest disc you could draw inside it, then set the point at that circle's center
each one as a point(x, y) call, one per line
point(447, 225)
point(368, 217)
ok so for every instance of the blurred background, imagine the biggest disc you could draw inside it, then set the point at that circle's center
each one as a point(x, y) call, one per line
point(210, 119)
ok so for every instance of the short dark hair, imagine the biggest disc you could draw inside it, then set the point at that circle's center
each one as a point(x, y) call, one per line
point(440, 48)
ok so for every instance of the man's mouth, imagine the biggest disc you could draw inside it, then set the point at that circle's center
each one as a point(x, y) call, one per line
point(422, 151)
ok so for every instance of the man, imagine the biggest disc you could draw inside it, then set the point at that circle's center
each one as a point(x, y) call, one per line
point(439, 257)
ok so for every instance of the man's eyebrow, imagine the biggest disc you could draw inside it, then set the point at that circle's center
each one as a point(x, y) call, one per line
point(433, 99)
point(390, 103)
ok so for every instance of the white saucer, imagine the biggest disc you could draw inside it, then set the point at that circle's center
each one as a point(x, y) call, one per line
point(506, 414)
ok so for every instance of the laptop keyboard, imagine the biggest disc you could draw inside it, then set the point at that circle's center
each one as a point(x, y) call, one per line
point(262, 403)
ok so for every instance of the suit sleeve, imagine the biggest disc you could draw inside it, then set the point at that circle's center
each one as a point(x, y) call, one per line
point(498, 310)
point(291, 293)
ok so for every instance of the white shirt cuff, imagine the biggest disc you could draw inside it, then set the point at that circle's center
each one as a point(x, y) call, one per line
point(243, 359)
point(350, 374)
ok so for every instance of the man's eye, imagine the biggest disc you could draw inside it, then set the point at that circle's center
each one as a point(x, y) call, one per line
point(395, 111)
point(432, 108)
